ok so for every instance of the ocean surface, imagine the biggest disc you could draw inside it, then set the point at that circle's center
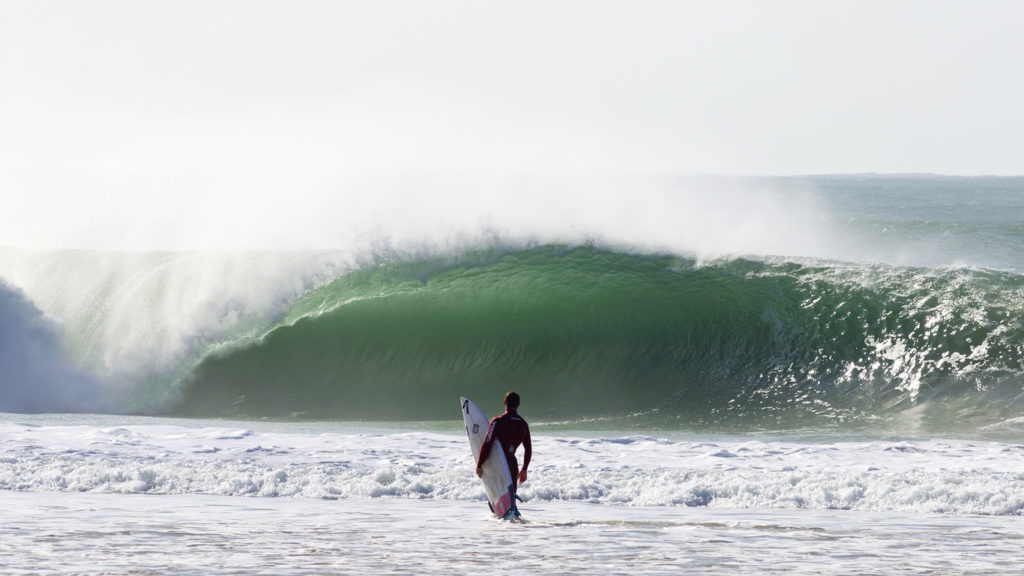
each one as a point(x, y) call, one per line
point(804, 375)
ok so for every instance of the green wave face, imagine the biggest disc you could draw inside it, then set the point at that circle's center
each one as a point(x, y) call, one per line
point(586, 333)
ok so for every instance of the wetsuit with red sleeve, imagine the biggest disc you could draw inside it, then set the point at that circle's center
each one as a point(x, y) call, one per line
point(512, 430)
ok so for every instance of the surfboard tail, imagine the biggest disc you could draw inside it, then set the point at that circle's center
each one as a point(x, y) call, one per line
point(505, 504)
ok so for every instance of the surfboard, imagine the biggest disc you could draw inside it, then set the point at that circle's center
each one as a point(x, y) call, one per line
point(496, 477)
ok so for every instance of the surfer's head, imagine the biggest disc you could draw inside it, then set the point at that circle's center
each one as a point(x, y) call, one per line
point(512, 400)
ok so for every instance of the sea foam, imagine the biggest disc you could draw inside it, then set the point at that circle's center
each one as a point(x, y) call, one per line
point(153, 456)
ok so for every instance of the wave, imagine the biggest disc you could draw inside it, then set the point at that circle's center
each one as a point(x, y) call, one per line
point(589, 333)
point(34, 376)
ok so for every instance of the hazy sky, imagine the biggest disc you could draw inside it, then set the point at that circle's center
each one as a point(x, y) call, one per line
point(137, 104)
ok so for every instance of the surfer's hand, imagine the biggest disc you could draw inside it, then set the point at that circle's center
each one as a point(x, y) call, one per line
point(479, 472)
point(522, 476)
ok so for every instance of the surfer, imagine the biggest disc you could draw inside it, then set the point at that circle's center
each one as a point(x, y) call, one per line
point(512, 430)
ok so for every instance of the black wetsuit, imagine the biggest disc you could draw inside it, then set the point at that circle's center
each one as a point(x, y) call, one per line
point(512, 430)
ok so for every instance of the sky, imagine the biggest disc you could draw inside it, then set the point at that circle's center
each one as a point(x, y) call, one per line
point(148, 124)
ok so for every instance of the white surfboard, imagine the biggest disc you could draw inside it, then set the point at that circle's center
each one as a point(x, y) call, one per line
point(496, 478)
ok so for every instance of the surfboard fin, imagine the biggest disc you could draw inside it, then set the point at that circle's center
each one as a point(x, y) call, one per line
point(513, 515)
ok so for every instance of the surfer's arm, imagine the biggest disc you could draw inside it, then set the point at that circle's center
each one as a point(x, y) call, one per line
point(485, 448)
point(527, 453)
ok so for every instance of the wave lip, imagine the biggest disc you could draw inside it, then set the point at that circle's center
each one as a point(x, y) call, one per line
point(587, 333)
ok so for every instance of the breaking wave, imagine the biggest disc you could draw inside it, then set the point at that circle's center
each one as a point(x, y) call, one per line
point(585, 333)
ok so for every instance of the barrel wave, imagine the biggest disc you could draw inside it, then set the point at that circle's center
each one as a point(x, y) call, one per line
point(586, 333)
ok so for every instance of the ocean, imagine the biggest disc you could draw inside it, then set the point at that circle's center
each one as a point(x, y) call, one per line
point(795, 374)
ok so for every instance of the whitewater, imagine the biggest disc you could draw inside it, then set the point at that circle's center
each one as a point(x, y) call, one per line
point(807, 375)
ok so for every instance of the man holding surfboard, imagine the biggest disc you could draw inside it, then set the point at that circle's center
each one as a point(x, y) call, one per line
point(511, 430)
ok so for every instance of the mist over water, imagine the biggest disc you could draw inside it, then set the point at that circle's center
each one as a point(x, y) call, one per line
point(134, 320)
